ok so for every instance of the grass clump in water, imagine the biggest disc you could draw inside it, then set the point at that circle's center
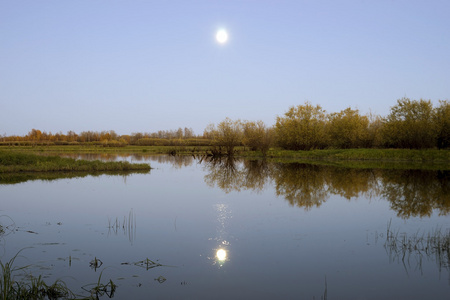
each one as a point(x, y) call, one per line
point(36, 288)
point(27, 162)
point(434, 244)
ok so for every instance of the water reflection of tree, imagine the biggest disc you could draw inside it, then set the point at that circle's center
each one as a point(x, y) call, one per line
point(416, 192)
point(353, 183)
point(225, 173)
point(302, 185)
point(306, 185)
point(410, 192)
point(230, 174)
point(177, 161)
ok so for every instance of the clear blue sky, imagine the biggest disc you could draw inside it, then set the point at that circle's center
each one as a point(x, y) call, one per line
point(144, 66)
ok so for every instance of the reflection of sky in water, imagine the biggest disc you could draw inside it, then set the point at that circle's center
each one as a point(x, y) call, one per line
point(271, 248)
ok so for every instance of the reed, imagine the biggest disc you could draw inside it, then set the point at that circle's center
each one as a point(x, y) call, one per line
point(434, 244)
point(128, 226)
point(36, 288)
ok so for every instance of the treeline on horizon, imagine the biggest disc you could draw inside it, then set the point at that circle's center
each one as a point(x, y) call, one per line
point(411, 124)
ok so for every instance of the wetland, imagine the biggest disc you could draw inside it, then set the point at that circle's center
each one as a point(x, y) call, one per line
point(197, 227)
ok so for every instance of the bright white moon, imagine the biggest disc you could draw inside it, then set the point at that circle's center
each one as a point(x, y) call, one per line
point(221, 254)
point(222, 36)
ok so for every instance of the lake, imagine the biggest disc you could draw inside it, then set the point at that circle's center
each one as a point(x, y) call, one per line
point(196, 228)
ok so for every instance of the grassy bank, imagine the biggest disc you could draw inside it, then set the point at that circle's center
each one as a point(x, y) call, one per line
point(386, 155)
point(373, 156)
point(28, 162)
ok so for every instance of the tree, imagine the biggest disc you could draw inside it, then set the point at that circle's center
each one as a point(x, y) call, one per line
point(347, 129)
point(302, 128)
point(410, 125)
point(442, 123)
point(227, 135)
point(257, 136)
point(188, 133)
point(34, 135)
point(374, 131)
point(71, 136)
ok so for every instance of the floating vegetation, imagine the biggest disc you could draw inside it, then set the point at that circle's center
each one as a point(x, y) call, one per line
point(161, 279)
point(95, 263)
point(7, 225)
point(99, 289)
point(147, 264)
point(413, 248)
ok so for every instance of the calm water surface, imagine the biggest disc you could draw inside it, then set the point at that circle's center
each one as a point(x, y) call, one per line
point(199, 229)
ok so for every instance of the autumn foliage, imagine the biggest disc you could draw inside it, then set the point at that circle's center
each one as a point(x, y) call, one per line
point(411, 124)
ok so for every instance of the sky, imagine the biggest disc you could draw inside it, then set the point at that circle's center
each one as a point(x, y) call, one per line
point(144, 66)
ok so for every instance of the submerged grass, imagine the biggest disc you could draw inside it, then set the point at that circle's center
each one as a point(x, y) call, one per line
point(37, 288)
point(27, 162)
point(128, 226)
point(434, 244)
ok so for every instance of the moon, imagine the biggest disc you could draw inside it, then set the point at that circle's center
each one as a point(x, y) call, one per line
point(222, 36)
point(221, 254)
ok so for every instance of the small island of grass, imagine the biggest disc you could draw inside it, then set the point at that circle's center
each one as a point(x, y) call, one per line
point(26, 162)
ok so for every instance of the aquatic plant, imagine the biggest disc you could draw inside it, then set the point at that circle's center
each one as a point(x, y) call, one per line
point(31, 287)
point(147, 264)
point(100, 289)
point(36, 288)
point(7, 228)
point(434, 244)
point(95, 263)
point(128, 226)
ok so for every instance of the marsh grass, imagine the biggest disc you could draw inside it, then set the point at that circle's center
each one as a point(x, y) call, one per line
point(128, 226)
point(38, 289)
point(431, 159)
point(27, 162)
point(35, 288)
point(100, 289)
point(367, 154)
point(413, 248)
point(389, 155)
point(31, 287)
